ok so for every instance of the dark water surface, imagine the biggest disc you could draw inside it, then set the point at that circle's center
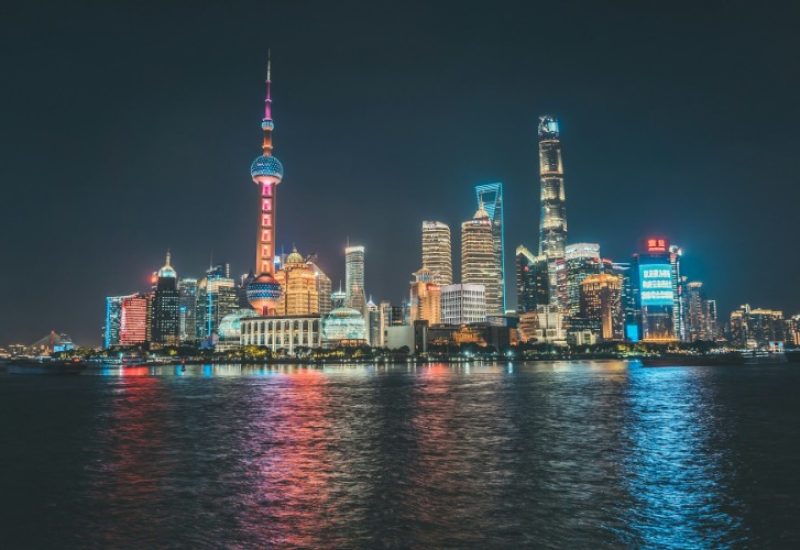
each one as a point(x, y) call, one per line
point(541, 455)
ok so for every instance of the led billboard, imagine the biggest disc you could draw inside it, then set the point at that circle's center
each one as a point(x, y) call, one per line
point(655, 282)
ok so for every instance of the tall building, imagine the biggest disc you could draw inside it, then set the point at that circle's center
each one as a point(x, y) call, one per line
point(133, 325)
point(479, 261)
point(463, 304)
point(166, 306)
point(532, 280)
point(324, 288)
point(385, 321)
point(187, 291)
point(490, 196)
point(264, 291)
point(630, 311)
point(354, 277)
point(553, 218)
point(425, 298)
point(679, 294)
point(437, 255)
point(757, 327)
point(601, 305)
point(373, 324)
point(656, 291)
point(580, 260)
point(113, 317)
point(299, 283)
point(216, 298)
point(696, 322)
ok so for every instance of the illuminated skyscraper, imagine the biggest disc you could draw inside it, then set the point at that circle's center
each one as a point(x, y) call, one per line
point(187, 290)
point(216, 298)
point(580, 261)
point(601, 305)
point(324, 288)
point(479, 260)
point(166, 306)
point(656, 291)
point(299, 284)
point(490, 196)
point(354, 278)
point(112, 323)
point(133, 320)
point(264, 292)
point(532, 280)
point(425, 298)
point(553, 219)
point(437, 255)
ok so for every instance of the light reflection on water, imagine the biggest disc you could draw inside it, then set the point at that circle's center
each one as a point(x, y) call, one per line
point(546, 454)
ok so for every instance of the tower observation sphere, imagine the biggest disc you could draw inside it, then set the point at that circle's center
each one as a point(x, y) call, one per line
point(264, 292)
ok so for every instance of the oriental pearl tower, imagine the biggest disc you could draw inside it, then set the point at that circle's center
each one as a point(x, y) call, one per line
point(264, 292)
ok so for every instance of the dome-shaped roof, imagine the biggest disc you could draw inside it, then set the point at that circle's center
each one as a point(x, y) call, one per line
point(266, 166)
point(295, 257)
point(230, 327)
point(344, 323)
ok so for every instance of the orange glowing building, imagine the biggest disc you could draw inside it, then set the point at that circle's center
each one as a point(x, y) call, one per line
point(298, 280)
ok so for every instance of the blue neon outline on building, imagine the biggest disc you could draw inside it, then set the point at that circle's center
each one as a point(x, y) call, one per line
point(490, 195)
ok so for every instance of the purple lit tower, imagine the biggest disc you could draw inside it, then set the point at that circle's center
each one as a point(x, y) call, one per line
point(264, 291)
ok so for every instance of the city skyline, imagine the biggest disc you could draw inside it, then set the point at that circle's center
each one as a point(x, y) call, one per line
point(217, 217)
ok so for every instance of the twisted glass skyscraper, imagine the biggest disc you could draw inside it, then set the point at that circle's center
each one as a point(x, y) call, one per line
point(553, 219)
point(490, 198)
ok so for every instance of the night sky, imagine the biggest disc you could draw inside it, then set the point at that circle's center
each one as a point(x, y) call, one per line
point(127, 130)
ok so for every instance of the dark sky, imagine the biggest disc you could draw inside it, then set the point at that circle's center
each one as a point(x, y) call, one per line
point(128, 129)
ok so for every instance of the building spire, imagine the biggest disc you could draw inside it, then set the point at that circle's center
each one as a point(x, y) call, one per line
point(268, 98)
point(266, 123)
point(169, 257)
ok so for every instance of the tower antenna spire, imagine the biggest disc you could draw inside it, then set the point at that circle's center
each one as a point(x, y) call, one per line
point(268, 98)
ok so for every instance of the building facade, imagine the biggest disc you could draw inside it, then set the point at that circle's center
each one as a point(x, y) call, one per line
point(479, 261)
point(299, 284)
point(133, 326)
point(532, 280)
point(437, 254)
point(426, 298)
point(463, 304)
point(281, 332)
point(166, 306)
point(354, 277)
point(490, 197)
point(601, 305)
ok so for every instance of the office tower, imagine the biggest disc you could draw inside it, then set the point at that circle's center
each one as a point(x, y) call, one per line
point(757, 327)
point(463, 304)
point(216, 298)
point(629, 298)
point(712, 324)
point(166, 306)
point(490, 196)
point(133, 320)
point(553, 218)
point(437, 255)
point(425, 298)
point(479, 261)
point(113, 317)
point(532, 280)
point(264, 291)
point(656, 291)
point(679, 294)
point(324, 288)
point(299, 284)
point(601, 305)
point(385, 316)
point(373, 324)
point(354, 277)
point(543, 325)
point(187, 325)
point(580, 261)
point(696, 323)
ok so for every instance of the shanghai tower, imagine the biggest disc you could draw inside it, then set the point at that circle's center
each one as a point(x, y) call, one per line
point(553, 220)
